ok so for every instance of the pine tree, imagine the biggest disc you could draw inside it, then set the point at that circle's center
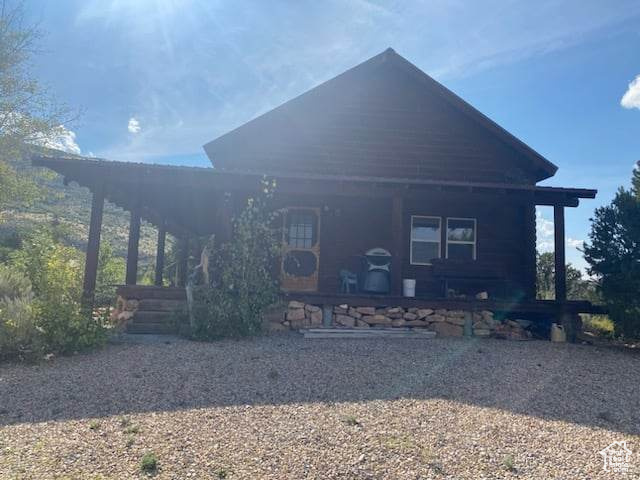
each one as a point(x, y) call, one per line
point(614, 257)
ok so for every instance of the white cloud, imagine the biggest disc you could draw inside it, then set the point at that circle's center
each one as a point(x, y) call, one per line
point(134, 125)
point(575, 243)
point(61, 139)
point(631, 98)
point(544, 233)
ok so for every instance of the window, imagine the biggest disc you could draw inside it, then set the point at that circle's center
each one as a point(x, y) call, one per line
point(301, 229)
point(461, 238)
point(425, 239)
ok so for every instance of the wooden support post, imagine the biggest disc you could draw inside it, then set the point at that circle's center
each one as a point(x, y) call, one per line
point(530, 259)
point(224, 219)
point(397, 235)
point(132, 250)
point(560, 261)
point(182, 264)
point(162, 235)
point(93, 247)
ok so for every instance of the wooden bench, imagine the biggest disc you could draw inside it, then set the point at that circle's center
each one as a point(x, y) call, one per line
point(445, 271)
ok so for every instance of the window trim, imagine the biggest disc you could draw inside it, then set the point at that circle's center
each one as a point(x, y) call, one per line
point(463, 242)
point(411, 240)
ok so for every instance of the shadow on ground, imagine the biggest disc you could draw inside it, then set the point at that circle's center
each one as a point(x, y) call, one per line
point(591, 386)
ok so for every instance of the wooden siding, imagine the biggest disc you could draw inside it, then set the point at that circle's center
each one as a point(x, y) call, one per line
point(380, 119)
point(351, 226)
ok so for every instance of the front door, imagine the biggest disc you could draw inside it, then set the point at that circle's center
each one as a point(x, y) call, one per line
point(300, 249)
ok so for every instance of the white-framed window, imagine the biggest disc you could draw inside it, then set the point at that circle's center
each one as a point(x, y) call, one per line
point(461, 238)
point(425, 239)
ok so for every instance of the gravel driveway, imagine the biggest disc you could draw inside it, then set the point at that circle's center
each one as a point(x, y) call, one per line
point(282, 407)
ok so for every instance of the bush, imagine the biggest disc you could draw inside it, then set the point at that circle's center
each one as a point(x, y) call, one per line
point(614, 258)
point(149, 462)
point(54, 271)
point(20, 337)
point(244, 284)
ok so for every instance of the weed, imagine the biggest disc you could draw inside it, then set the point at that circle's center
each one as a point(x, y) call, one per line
point(130, 440)
point(221, 473)
point(149, 462)
point(351, 421)
point(508, 463)
point(94, 425)
point(132, 429)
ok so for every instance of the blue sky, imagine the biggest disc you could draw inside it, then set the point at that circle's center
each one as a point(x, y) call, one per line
point(156, 79)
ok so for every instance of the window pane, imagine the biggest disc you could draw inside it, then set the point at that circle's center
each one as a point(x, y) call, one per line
point(425, 229)
point(461, 230)
point(301, 229)
point(460, 251)
point(424, 252)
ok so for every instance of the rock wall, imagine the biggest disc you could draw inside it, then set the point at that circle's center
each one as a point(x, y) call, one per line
point(448, 323)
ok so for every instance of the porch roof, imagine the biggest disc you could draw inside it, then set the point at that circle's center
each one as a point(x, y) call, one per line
point(168, 191)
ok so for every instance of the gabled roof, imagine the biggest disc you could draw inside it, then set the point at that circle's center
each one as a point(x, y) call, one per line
point(385, 118)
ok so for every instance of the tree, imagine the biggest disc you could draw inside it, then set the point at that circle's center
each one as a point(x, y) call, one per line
point(242, 284)
point(614, 257)
point(578, 288)
point(28, 114)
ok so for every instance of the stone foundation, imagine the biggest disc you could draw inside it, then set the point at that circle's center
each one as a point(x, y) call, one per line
point(447, 323)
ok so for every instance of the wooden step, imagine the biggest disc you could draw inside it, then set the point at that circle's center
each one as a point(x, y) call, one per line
point(161, 305)
point(146, 292)
point(150, 316)
point(151, 327)
point(367, 333)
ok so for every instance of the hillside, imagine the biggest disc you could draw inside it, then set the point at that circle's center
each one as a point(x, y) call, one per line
point(69, 206)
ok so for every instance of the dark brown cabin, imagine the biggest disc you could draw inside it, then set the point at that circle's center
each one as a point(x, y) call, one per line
point(381, 156)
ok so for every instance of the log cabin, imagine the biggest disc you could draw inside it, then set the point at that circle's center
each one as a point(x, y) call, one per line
point(387, 179)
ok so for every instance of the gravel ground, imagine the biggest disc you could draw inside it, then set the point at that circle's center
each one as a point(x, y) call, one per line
point(281, 407)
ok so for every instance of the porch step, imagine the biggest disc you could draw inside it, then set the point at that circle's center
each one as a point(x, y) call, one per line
point(152, 322)
point(367, 333)
point(160, 305)
point(151, 327)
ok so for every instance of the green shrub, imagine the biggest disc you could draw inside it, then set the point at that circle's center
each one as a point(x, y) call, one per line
point(55, 274)
point(244, 284)
point(20, 337)
point(613, 254)
point(149, 462)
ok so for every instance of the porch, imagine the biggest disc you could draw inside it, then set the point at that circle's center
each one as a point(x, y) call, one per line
point(357, 213)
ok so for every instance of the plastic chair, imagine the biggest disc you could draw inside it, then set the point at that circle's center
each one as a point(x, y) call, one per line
point(349, 281)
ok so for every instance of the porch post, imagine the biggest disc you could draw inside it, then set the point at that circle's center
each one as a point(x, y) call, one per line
point(397, 234)
point(132, 250)
point(224, 218)
point(162, 234)
point(182, 262)
point(560, 261)
point(93, 247)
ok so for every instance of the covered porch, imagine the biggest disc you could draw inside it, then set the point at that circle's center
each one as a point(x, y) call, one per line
point(189, 202)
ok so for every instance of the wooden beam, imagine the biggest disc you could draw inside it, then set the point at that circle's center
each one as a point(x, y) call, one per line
point(93, 248)
point(560, 259)
point(397, 235)
point(132, 250)
point(162, 235)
